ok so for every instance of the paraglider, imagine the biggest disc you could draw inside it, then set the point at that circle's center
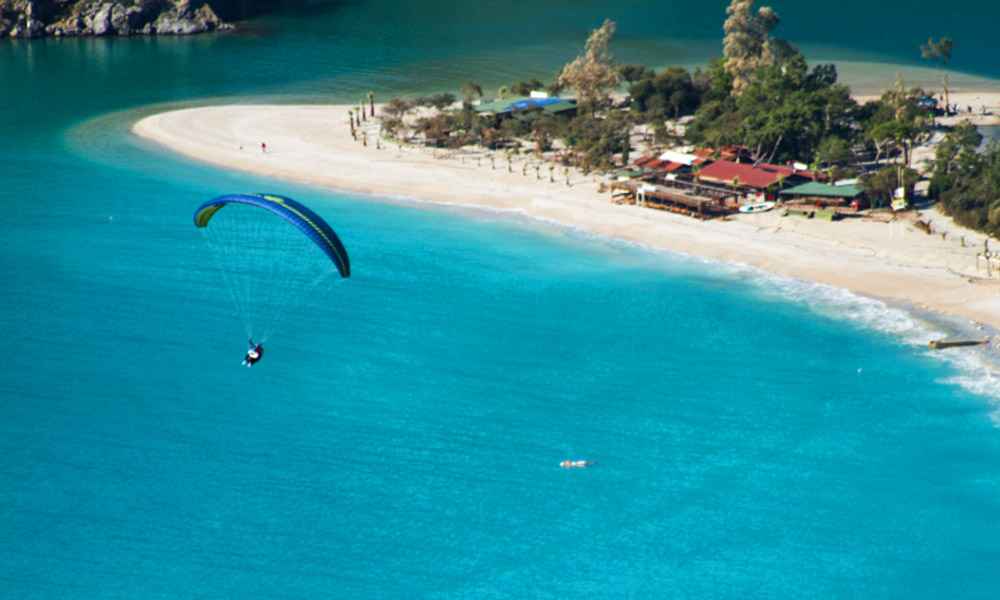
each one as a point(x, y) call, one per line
point(272, 252)
point(255, 353)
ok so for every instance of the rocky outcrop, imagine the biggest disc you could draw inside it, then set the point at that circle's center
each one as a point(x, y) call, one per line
point(40, 18)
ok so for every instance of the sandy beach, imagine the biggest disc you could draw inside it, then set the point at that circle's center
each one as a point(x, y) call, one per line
point(891, 260)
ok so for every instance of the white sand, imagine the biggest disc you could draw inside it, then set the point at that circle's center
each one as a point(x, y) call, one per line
point(893, 261)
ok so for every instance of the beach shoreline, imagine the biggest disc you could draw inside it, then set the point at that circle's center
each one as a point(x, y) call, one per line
point(889, 260)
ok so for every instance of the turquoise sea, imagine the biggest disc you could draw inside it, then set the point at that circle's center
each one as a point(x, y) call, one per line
point(753, 436)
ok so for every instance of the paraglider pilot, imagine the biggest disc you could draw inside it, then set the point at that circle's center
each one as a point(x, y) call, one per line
point(255, 353)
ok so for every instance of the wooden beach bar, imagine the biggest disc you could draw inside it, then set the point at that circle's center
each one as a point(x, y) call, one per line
point(674, 199)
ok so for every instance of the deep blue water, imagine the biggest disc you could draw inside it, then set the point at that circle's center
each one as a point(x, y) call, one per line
point(753, 436)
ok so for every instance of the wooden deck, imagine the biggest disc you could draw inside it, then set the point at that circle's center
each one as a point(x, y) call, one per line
point(840, 212)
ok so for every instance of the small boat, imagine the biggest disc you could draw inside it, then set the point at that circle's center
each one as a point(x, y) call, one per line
point(569, 464)
point(757, 207)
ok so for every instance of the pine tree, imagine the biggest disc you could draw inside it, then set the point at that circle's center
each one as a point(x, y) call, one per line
point(747, 46)
point(940, 53)
point(591, 74)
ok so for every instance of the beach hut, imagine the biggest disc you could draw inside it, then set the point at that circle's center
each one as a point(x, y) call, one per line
point(673, 199)
point(812, 192)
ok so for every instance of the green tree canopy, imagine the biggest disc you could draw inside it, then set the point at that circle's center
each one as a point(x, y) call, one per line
point(670, 92)
point(595, 141)
point(973, 198)
point(895, 121)
point(524, 88)
point(956, 154)
point(633, 73)
point(966, 179)
point(545, 128)
point(718, 82)
point(783, 115)
point(833, 150)
point(437, 101)
point(881, 185)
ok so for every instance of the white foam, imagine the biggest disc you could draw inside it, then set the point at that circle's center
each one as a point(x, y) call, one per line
point(837, 302)
point(978, 373)
point(978, 370)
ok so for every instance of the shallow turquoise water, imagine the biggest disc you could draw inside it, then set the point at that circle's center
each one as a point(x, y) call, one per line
point(753, 436)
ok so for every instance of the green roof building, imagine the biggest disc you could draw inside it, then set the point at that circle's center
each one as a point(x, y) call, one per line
point(815, 189)
point(508, 106)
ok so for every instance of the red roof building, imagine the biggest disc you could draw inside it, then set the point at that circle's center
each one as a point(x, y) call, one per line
point(657, 164)
point(669, 162)
point(723, 153)
point(757, 176)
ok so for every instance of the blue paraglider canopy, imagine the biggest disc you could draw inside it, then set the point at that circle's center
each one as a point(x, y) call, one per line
point(266, 245)
point(306, 220)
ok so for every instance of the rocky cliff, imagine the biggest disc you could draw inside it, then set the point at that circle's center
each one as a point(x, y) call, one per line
point(40, 18)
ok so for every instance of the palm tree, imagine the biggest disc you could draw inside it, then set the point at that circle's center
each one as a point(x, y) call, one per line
point(371, 102)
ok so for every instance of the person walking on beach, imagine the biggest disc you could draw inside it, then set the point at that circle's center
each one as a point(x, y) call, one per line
point(263, 147)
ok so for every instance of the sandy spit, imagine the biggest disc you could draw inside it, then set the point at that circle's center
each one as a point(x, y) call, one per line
point(894, 260)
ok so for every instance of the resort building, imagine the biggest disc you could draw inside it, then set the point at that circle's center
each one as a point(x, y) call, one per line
point(508, 107)
point(695, 184)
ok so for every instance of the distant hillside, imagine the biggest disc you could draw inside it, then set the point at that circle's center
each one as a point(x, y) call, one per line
point(41, 18)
